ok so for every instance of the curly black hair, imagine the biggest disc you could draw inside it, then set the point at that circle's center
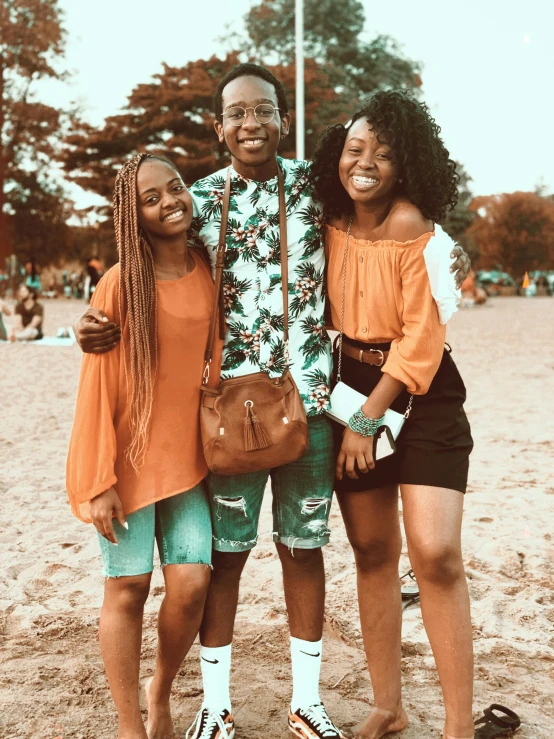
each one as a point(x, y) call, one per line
point(429, 177)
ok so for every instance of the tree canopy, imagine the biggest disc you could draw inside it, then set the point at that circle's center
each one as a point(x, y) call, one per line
point(515, 230)
point(172, 114)
point(458, 220)
point(333, 38)
point(33, 210)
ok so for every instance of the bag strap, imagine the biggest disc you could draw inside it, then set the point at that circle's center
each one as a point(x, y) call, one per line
point(218, 308)
point(284, 244)
point(343, 295)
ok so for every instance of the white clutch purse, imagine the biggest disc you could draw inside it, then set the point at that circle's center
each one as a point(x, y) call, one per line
point(345, 401)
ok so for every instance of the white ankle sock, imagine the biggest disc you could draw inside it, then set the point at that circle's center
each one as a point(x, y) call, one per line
point(215, 663)
point(306, 666)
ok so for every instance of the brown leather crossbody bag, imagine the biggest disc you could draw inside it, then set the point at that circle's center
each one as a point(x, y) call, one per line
point(253, 422)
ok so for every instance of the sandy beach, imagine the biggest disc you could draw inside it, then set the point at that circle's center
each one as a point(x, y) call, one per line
point(52, 683)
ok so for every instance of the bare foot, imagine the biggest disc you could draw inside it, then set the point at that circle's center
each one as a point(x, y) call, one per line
point(449, 736)
point(160, 725)
point(381, 722)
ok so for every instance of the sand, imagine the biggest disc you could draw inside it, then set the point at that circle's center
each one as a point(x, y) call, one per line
point(52, 683)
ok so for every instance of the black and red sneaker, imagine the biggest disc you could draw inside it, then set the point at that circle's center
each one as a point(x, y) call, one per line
point(313, 723)
point(211, 725)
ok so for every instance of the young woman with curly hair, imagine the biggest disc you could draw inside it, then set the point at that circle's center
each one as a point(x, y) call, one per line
point(385, 181)
point(135, 467)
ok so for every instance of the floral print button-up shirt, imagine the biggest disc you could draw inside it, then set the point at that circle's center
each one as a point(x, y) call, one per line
point(252, 286)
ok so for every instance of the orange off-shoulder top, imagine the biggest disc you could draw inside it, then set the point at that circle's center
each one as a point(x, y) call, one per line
point(388, 298)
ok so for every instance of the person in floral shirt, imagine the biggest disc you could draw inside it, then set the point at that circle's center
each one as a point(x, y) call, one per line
point(252, 278)
point(251, 116)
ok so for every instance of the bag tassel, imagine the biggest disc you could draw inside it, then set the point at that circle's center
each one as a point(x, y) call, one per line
point(255, 436)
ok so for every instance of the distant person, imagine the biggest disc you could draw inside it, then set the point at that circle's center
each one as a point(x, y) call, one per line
point(4, 311)
point(94, 271)
point(531, 289)
point(472, 293)
point(15, 273)
point(52, 291)
point(468, 290)
point(66, 286)
point(29, 314)
point(32, 279)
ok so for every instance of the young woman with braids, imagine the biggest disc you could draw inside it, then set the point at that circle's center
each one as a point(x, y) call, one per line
point(385, 180)
point(135, 467)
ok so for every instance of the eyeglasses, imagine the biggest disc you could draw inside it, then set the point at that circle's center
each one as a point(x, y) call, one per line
point(263, 113)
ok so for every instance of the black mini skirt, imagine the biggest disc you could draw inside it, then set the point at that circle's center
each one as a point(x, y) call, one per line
point(434, 445)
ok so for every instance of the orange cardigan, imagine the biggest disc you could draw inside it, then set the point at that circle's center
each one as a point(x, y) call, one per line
point(174, 460)
point(388, 298)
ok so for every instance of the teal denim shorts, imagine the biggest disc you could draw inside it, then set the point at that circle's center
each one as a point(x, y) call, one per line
point(302, 493)
point(181, 525)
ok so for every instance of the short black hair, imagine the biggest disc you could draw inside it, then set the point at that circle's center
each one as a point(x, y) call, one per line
point(429, 177)
point(31, 290)
point(248, 69)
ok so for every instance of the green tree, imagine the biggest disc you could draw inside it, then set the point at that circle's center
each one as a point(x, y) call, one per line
point(341, 69)
point(333, 31)
point(31, 47)
point(458, 221)
point(171, 115)
point(39, 221)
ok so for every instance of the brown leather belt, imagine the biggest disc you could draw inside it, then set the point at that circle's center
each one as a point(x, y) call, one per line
point(367, 356)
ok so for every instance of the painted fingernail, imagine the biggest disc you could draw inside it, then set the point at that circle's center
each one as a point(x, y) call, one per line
point(126, 525)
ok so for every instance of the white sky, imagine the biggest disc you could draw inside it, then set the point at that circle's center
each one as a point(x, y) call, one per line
point(487, 69)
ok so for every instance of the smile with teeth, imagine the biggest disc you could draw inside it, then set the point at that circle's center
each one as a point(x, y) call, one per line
point(360, 181)
point(252, 142)
point(173, 216)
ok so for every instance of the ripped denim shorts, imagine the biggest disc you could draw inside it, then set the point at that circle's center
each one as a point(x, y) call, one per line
point(302, 493)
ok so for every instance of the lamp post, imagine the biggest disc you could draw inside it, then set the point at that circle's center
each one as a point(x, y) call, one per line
point(299, 27)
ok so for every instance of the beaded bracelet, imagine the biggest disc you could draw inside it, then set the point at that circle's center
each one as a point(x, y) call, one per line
point(361, 424)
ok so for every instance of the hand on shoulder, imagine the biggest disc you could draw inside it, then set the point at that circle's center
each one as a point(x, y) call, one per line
point(406, 222)
point(95, 332)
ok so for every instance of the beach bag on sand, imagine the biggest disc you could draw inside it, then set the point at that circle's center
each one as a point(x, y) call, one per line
point(254, 422)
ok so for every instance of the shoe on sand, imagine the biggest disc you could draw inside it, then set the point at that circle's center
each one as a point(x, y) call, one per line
point(313, 723)
point(211, 725)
